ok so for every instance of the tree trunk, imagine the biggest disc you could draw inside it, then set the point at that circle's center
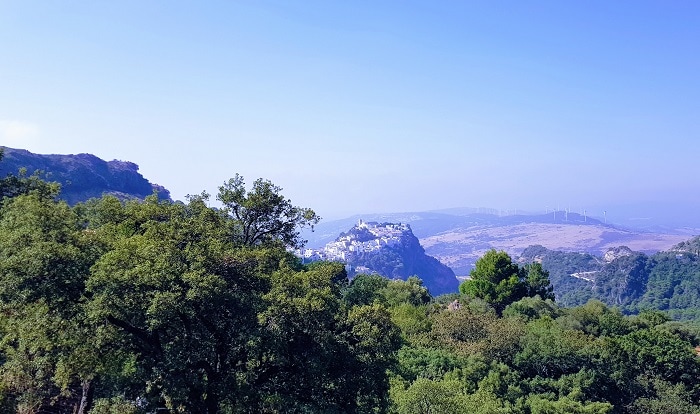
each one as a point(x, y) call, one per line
point(86, 399)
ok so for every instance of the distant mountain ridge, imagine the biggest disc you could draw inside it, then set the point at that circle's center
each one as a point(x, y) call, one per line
point(389, 249)
point(83, 176)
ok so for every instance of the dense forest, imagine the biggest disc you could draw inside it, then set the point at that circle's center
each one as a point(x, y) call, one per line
point(632, 281)
point(114, 306)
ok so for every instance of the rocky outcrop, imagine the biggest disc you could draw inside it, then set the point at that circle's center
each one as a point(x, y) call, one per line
point(615, 253)
point(391, 250)
point(83, 176)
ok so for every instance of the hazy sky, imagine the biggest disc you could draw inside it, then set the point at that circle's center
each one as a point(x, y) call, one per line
point(359, 107)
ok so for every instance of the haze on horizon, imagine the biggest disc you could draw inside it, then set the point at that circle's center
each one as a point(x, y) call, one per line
point(369, 107)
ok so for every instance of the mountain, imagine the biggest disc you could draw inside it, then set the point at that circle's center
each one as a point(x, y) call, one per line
point(83, 176)
point(389, 249)
point(459, 237)
point(633, 281)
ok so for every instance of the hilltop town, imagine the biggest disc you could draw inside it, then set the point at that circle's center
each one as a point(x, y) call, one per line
point(365, 237)
point(388, 249)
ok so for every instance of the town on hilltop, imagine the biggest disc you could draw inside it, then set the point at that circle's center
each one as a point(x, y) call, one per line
point(364, 237)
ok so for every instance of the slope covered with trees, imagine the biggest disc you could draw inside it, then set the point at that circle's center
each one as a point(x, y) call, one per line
point(667, 281)
point(140, 307)
point(461, 355)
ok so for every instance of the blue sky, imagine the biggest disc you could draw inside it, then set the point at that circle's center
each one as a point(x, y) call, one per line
point(361, 107)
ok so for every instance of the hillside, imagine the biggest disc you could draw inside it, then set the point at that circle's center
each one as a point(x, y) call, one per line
point(631, 280)
point(83, 176)
point(391, 250)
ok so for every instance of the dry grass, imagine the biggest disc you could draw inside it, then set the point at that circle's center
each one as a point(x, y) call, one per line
point(464, 246)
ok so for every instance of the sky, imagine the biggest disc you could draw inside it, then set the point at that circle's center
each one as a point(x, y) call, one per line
point(368, 106)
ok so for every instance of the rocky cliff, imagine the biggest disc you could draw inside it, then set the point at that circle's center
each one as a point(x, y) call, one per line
point(390, 249)
point(83, 176)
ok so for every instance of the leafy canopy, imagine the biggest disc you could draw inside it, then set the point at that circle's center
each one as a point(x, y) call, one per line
point(263, 214)
point(500, 282)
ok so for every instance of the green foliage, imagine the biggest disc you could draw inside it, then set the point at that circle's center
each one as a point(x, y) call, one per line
point(656, 353)
point(565, 405)
point(412, 320)
point(181, 298)
point(425, 396)
point(263, 214)
point(551, 351)
point(532, 308)
point(665, 398)
point(115, 405)
point(40, 252)
point(687, 331)
point(539, 358)
point(536, 281)
point(673, 286)
point(467, 332)
point(500, 282)
point(365, 289)
point(651, 318)
point(410, 291)
point(23, 184)
point(46, 341)
point(434, 363)
point(595, 318)
point(176, 306)
point(320, 358)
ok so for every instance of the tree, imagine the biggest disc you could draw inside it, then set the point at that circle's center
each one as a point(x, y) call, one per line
point(318, 356)
point(467, 332)
point(374, 341)
point(409, 291)
point(536, 281)
point(44, 262)
point(666, 399)
point(500, 282)
point(364, 289)
point(175, 291)
point(655, 353)
point(425, 396)
point(263, 214)
point(532, 308)
point(215, 325)
point(565, 405)
point(595, 318)
point(551, 351)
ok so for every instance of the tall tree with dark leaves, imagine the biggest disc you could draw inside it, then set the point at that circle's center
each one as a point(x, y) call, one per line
point(263, 214)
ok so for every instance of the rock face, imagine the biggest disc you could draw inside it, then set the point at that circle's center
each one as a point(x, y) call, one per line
point(83, 176)
point(616, 252)
point(390, 250)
